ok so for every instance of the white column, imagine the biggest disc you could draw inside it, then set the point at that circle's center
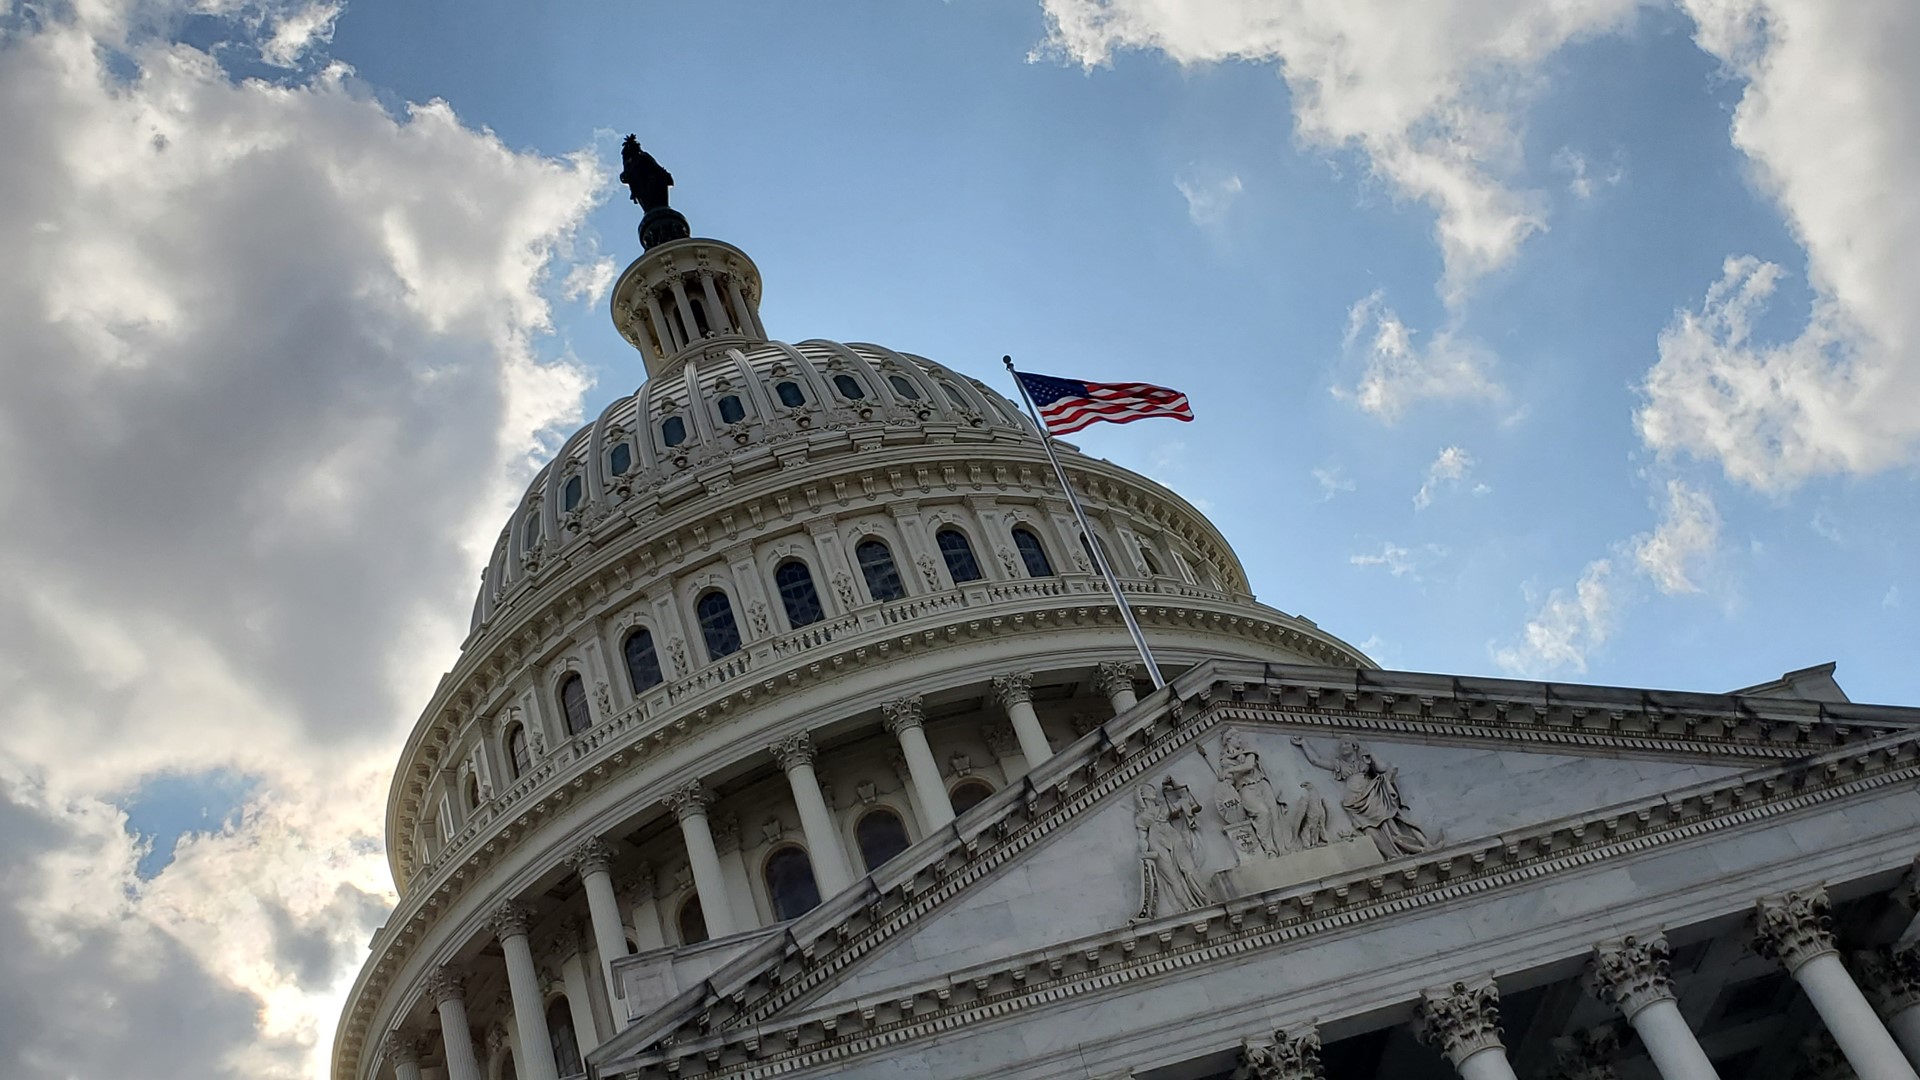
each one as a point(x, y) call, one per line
point(593, 861)
point(741, 309)
point(795, 754)
point(1292, 1055)
point(686, 310)
point(1462, 1021)
point(716, 311)
point(1795, 929)
point(405, 1052)
point(449, 999)
point(689, 804)
point(1116, 681)
point(523, 984)
point(668, 344)
point(643, 912)
point(1005, 744)
point(1015, 692)
point(733, 869)
point(1892, 975)
point(573, 976)
point(1635, 975)
point(905, 719)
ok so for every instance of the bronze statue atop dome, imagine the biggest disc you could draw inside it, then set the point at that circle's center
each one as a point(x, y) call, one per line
point(646, 180)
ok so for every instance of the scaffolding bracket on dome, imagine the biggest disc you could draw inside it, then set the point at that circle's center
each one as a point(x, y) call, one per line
point(1097, 550)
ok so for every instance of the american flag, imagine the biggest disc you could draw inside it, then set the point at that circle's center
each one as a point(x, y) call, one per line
point(1067, 405)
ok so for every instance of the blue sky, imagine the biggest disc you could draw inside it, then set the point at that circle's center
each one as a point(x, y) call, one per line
point(1568, 341)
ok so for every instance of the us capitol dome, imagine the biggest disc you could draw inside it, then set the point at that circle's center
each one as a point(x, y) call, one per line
point(798, 735)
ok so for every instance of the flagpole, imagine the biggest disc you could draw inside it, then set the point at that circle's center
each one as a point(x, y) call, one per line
point(1093, 545)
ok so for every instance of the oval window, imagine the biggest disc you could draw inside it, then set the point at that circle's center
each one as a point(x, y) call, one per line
point(620, 460)
point(673, 431)
point(903, 387)
point(570, 494)
point(849, 387)
point(790, 395)
point(731, 411)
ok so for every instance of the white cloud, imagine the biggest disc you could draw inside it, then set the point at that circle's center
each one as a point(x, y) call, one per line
point(1450, 467)
point(1399, 373)
point(1430, 93)
point(1892, 598)
point(1396, 559)
point(1333, 480)
point(1581, 182)
point(1827, 118)
point(1209, 194)
point(1689, 530)
point(588, 281)
point(1567, 628)
point(254, 333)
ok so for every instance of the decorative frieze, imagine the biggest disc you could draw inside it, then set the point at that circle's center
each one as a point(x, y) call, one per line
point(1794, 927)
point(1292, 1055)
point(1461, 1020)
point(1632, 973)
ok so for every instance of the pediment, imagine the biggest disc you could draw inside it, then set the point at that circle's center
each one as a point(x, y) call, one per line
point(1145, 832)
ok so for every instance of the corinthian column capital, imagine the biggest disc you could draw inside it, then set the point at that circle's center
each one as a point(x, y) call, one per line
point(1890, 976)
point(1113, 677)
point(1292, 1055)
point(446, 984)
point(1013, 688)
point(1632, 973)
point(511, 920)
point(591, 856)
point(1587, 1055)
point(903, 713)
point(689, 800)
point(1793, 927)
point(1461, 1020)
point(793, 751)
point(403, 1049)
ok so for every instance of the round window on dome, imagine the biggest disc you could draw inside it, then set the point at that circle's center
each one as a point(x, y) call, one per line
point(673, 431)
point(849, 387)
point(790, 394)
point(731, 411)
point(620, 459)
point(905, 388)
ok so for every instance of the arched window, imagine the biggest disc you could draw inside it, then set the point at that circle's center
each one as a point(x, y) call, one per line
point(876, 564)
point(882, 835)
point(620, 459)
point(518, 757)
point(715, 612)
point(958, 552)
point(731, 411)
point(566, 1048)
point(790, 883)
point(968, 794)
point(692, 922)
point(790, 394)
point(905, 388)
point(1105, 555)
point(570, 493)
point(1032, 553)
point(849, 387)
point(473, 792)
point(673, 431)
point(802, 600)
point(643, 663)
point(573, 704)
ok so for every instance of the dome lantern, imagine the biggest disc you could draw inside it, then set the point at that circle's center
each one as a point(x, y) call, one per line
point(683, 293)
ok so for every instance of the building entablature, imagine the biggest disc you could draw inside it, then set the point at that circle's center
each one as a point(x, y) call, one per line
point(763, 1012)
